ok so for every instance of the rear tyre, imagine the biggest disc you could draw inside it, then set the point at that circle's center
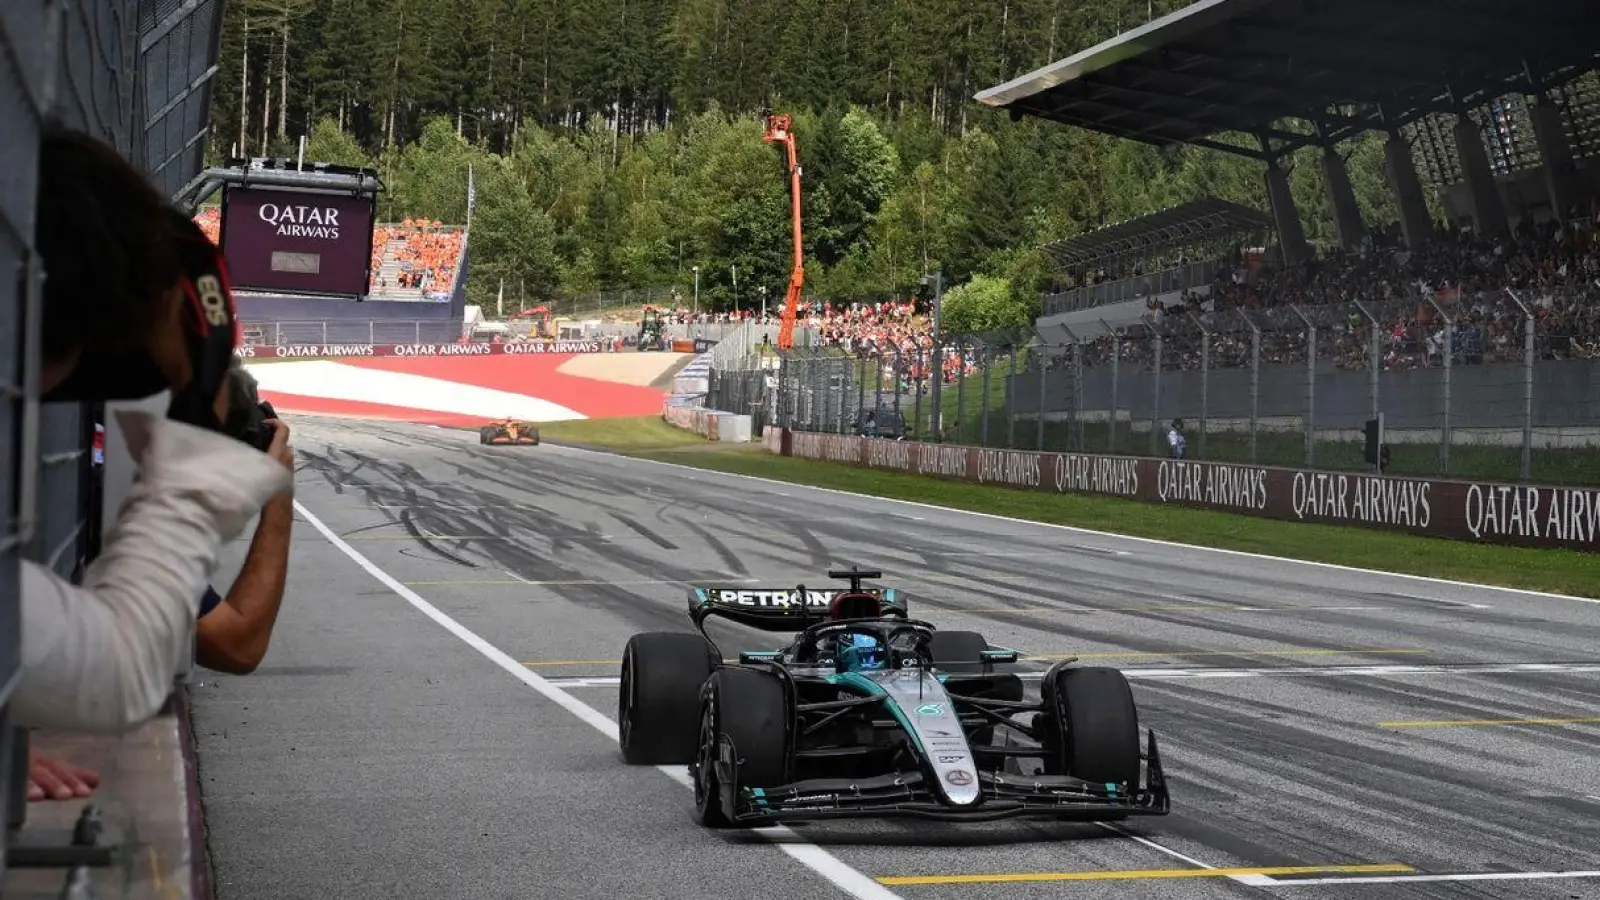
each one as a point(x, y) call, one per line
point(958, 651)
point(658, 698)
point(749, 708)
point(485, 434)
point(1091, 726)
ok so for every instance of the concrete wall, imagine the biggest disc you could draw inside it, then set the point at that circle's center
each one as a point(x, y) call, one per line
point(1482, 396)
point(259, 308)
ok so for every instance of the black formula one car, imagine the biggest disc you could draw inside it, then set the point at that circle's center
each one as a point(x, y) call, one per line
point(869, 713)
point(509, 431)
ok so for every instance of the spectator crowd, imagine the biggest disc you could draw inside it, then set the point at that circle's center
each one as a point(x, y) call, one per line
point(1481, 285)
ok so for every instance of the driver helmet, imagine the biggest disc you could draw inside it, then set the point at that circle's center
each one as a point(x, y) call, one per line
point(862, 653)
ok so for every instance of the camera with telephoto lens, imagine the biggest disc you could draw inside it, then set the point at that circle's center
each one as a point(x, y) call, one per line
point(247, 412)
point(255, 430)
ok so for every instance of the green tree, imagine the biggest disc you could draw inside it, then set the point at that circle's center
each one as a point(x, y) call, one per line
point(986, 303)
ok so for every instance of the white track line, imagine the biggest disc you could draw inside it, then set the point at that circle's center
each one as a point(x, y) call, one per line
point(1255, 880)
point(1407, 879)
point(1104, 534)
point(847, 879)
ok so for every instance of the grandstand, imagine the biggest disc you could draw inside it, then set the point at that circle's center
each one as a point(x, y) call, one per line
point(415, 260)
point(1497, 104)
point(1223, 69)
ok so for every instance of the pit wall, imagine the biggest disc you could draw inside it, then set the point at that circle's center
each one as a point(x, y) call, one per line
point(1481, 512)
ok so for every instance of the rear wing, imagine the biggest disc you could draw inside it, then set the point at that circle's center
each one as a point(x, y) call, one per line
point(778, 608)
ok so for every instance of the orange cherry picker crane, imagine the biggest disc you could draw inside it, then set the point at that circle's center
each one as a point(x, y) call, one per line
point(778, 133)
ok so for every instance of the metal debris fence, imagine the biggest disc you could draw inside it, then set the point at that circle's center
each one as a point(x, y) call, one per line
point(1499, 386)
point(136, 73)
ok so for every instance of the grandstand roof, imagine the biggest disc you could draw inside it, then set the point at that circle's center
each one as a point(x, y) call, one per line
point(1240, 66)
point(1197, 220)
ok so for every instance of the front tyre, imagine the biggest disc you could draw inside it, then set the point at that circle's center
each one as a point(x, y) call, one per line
point(749, 709)
point(658, 697)
point(1091, 726)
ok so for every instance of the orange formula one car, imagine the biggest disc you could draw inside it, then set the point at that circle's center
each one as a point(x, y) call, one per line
point(509, 431)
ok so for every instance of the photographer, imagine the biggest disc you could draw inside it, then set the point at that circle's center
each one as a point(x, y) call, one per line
point(135, 303)
point(233, 632)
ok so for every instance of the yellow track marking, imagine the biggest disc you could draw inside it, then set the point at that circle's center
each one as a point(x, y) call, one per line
point(1140, 874)
point(1469, 723)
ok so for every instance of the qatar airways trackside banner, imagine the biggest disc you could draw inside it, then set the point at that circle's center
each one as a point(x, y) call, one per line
point(335, 351)
point(1486, 512)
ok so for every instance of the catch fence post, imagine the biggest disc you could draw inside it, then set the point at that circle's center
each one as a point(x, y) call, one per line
point(962, 354)
point(1529, 353)
point(1374, 353)
point(1044, 386)
point(1311, 386)
point(983, 404)
point(858, 371)
point(1011, 399)
point(1205, 380)
point(1255, 380)
point(1075, 422)
point(917, 432)
point(1445, 387)
point(899, 380)
point(1116, 387)
point(1155, 391)
point(877, 367)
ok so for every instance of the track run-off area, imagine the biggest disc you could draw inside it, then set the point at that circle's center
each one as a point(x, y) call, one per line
point(436, 715)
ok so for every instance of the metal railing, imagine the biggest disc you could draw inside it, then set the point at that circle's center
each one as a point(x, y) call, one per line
point(1497, 387)
point(137, 74)
point(1167, 281)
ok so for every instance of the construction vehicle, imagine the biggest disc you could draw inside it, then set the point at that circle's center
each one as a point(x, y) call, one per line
point(652, 335)
point(542, 327)
point(778, 132)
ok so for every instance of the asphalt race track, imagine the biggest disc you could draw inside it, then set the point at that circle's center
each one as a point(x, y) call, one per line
point(432, 718)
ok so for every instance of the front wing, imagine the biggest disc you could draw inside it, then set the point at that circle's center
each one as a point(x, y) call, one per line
point(906, 795)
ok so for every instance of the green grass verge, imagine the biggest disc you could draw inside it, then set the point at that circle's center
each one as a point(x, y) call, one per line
point(1559, 571)
point(635, 434)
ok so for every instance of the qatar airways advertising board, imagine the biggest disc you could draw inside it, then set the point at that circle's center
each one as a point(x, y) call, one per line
point(280, 240)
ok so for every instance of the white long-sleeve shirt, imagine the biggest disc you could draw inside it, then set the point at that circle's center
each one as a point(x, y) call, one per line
point(102, 656)
point(1178, 442)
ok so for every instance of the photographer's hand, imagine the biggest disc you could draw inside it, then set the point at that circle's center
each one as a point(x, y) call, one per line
point(280, 448)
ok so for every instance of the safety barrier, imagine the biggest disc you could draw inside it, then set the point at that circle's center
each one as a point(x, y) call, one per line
point(1480, 511)
point(712, 424)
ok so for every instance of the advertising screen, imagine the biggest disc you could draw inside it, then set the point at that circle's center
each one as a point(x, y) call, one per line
point(281, 240)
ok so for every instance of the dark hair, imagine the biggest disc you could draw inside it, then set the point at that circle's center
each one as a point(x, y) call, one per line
point(108, 256)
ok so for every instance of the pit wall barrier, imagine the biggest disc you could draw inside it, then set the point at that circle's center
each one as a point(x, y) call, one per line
point(711, 424)
point(339, 351)
point(1478, 511)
